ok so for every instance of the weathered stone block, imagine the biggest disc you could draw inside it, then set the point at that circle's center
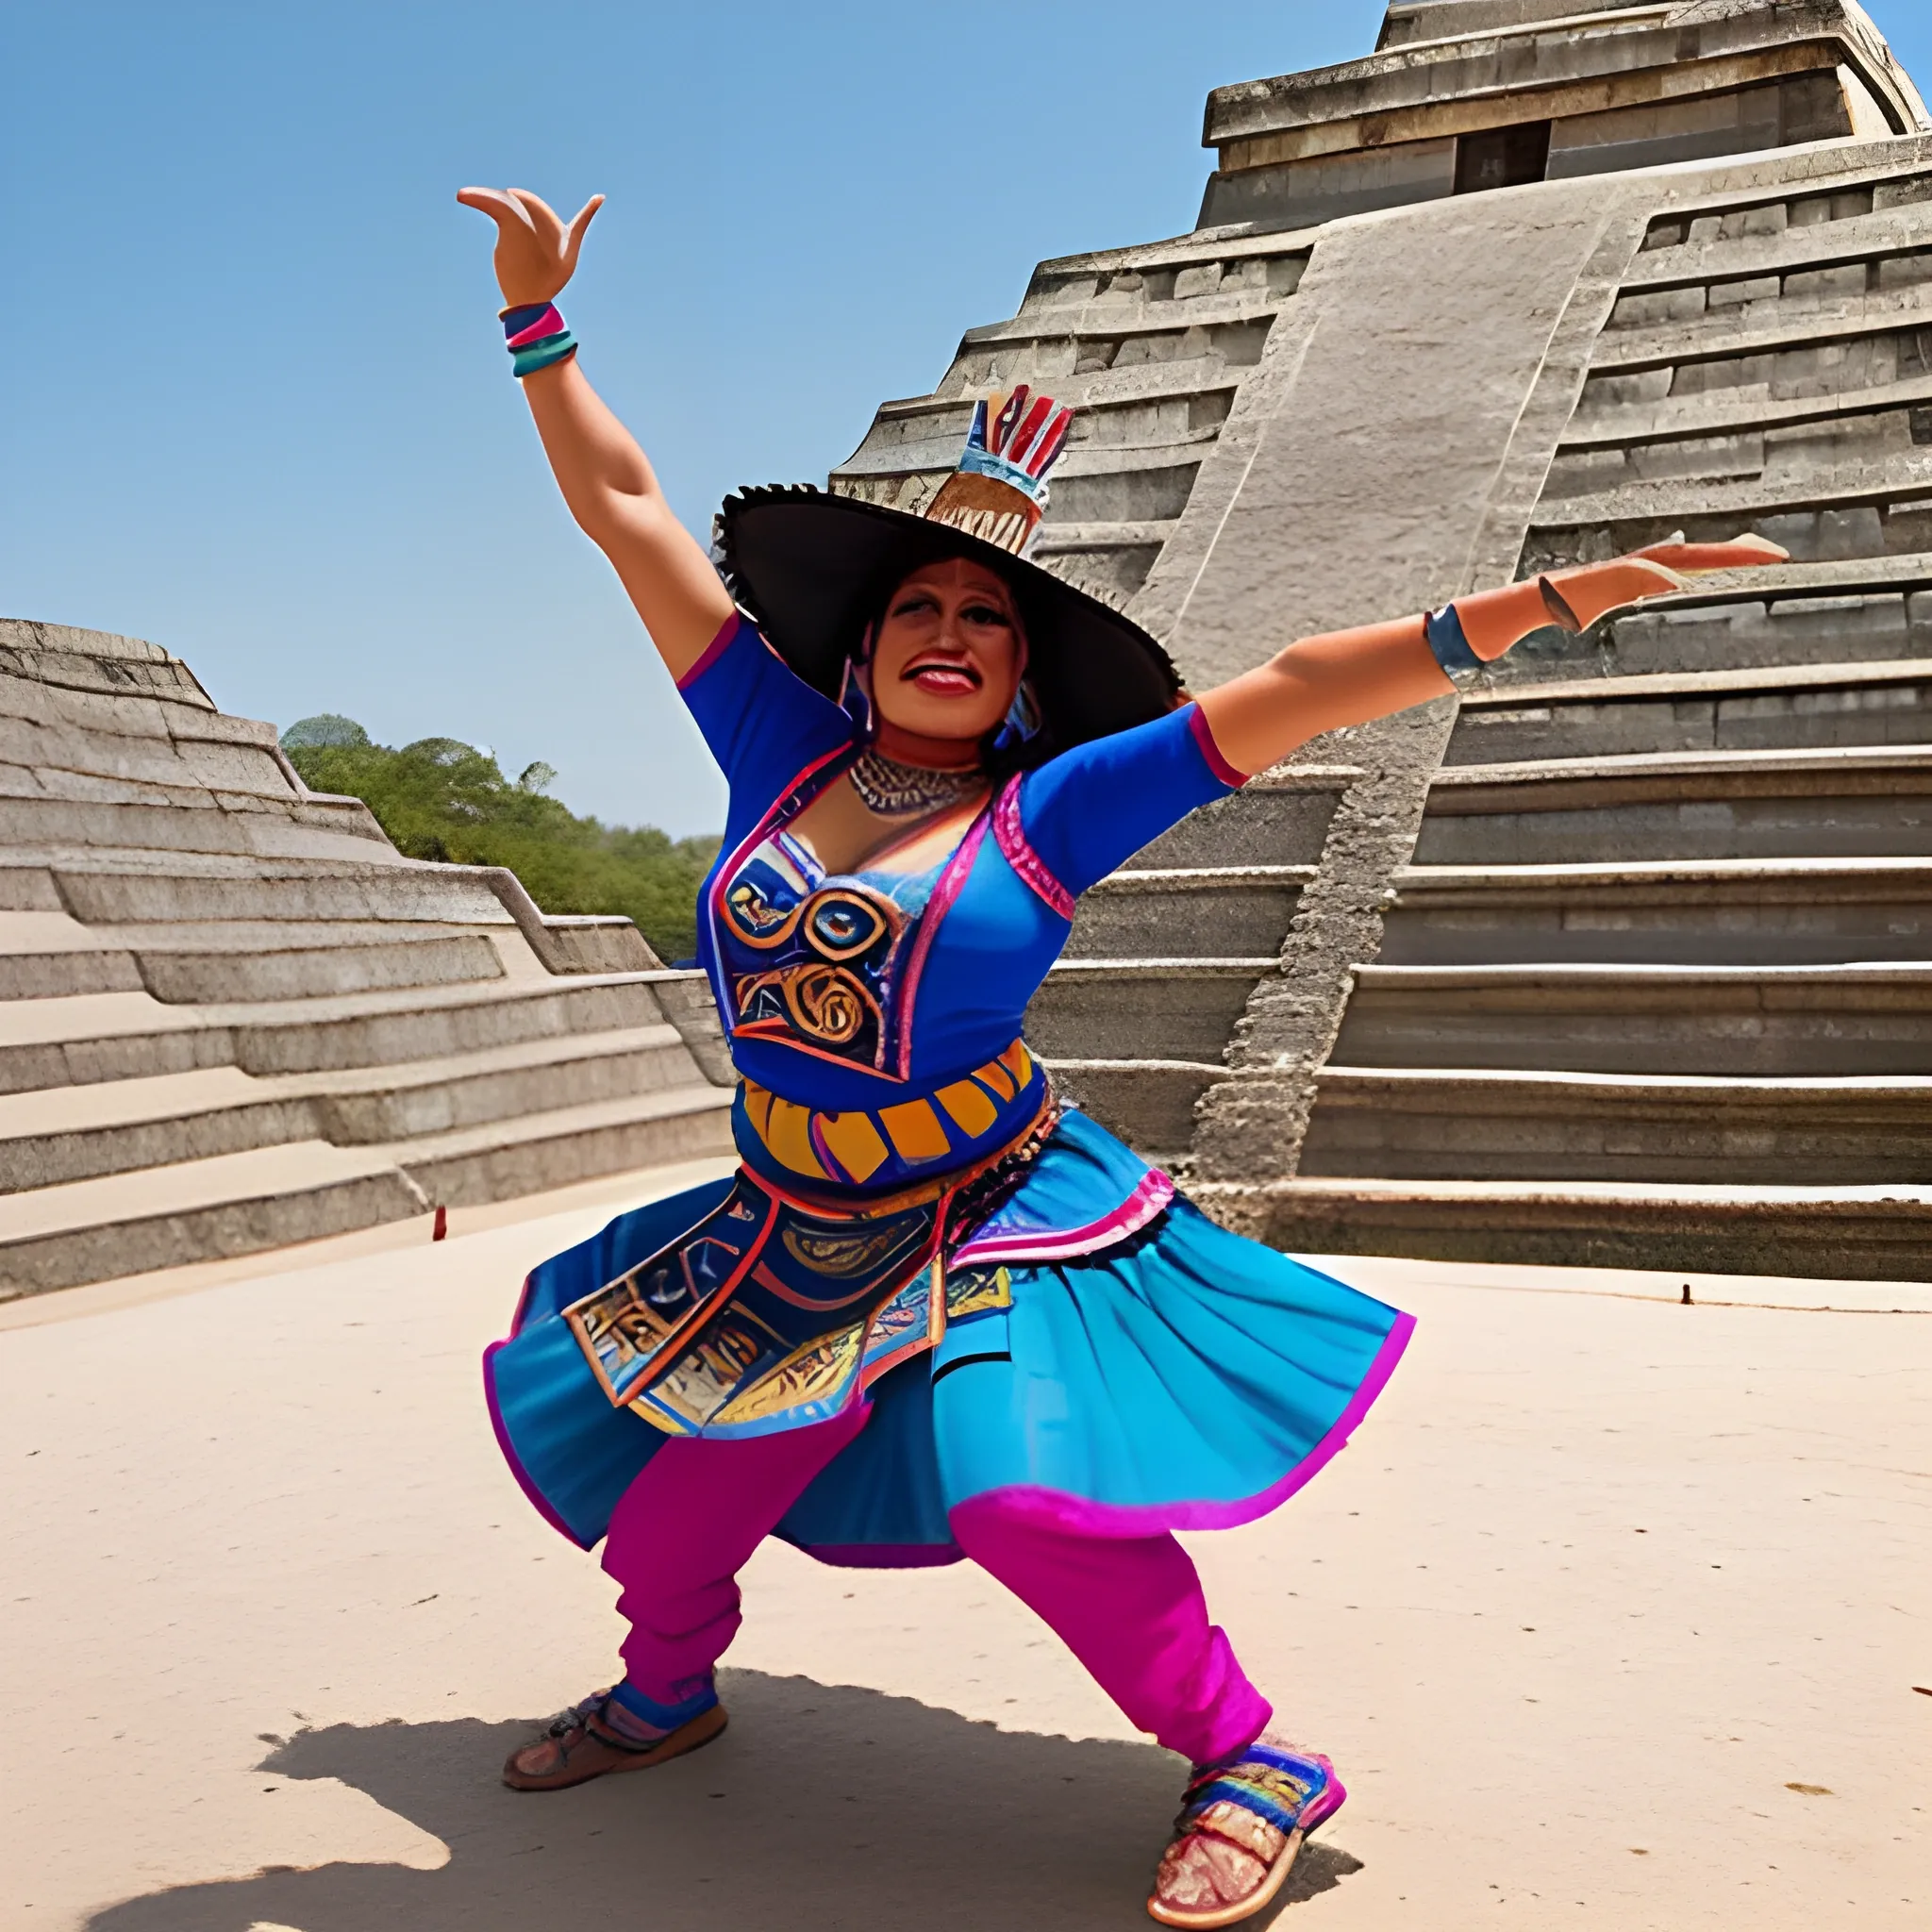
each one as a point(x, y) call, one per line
point(1751, 289)
point(1648, 308)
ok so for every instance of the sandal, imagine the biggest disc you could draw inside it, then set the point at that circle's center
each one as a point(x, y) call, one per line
point(1243, 1822)
point(579, 1744)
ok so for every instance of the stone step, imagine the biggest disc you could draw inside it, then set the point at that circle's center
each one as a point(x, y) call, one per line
point(1455, 1124)
point(451, 1095)
point(537, 1150)
point(70, 971)
point(1689, 912)
point(78, 767)
point(1644, 424)
point(1744, 333)
point(1746, 1021)
point(1902, 228)
point(1877, 1233)
point(1869, 508)
point(1178, 913)
point(197, 1210)
point(177, 976)
point(1852, 626)
point(1148, 1104)
point(918, 420)
point(1795, 707)
point(237, 1204)
point(66, 1134)
point(31, 649)
point(384, 1029)
point(1697, 805)
point(188, 978)
point(184, 889)
point(238, 937)
point(1796, 327)
point(149, 737)
point(61, 1043)
point(27, 888)
point(1118, 1010)
point(1784, 451)
point(299, 829)
point(1238, 310)
point(286, 891)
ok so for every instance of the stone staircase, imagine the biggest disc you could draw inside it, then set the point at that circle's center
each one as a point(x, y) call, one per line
point(1152, 345)
point(1657, 988)
point(232, 1016)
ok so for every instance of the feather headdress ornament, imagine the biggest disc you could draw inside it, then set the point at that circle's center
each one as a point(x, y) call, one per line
point(999, 491)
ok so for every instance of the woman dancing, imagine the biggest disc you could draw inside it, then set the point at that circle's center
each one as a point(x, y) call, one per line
point(936, 1313)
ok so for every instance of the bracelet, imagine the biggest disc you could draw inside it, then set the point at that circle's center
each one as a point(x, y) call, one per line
point(1450, 647)
point(536, 336)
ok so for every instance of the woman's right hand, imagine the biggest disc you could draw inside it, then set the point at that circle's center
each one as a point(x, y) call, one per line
point(536, 253)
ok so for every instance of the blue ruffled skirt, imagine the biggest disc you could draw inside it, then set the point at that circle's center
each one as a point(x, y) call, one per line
point(1151, 1372)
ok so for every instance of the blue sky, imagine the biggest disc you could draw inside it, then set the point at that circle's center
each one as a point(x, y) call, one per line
point(256, 408)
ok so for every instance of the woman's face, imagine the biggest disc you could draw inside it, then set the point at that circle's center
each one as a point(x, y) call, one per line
point(950, 651)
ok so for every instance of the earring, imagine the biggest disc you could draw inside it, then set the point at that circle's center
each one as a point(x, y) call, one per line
point(855, 691)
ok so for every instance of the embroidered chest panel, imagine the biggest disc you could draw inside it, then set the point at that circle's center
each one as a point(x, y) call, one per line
point(828, 964)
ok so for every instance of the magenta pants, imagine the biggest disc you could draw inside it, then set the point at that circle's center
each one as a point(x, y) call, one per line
point(1129, 1608)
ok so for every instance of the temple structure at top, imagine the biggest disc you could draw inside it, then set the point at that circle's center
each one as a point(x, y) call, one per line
point(1462, 95)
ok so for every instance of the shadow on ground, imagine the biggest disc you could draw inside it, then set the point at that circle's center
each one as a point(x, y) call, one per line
point(822, 1806)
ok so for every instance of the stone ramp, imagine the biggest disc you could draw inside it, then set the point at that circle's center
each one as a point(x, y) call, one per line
point(232, 1016)
point(1655, 989)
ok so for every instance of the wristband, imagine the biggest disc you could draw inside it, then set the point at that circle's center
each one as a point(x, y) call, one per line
point(1450, 647)
point(536, 336)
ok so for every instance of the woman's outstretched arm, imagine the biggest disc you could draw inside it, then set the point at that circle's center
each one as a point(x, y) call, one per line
point(605, 479)
point(1349, 677)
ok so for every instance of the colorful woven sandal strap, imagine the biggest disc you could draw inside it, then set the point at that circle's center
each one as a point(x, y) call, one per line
point(1291, 1792)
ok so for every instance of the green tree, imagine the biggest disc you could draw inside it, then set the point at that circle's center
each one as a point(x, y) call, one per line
point(441, 799)
point(326, 727)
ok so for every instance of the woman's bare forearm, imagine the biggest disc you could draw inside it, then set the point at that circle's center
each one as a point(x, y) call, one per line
point(613, 494)
point(1322, 684)
point(1349, 677)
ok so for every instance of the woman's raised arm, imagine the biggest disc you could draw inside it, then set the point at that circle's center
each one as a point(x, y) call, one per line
point(1349, 677)
point(605, 479)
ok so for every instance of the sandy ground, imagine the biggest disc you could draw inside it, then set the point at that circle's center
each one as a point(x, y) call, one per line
point(1612, 1616)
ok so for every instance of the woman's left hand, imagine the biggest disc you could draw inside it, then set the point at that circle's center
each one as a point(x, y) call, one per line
point(1590, 592)
point(536, 251)
point(1736, 553)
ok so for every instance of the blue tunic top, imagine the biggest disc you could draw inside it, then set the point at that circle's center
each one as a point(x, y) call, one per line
point(1089, 1348)
point(874, 1007)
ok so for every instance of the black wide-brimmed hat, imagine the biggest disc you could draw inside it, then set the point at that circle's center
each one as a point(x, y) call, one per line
point(814, 569)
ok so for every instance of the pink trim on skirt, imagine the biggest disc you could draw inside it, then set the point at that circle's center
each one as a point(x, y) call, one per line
point(1081, 1516)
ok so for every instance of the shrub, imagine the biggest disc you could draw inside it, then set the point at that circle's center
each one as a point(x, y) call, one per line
point(441, 799)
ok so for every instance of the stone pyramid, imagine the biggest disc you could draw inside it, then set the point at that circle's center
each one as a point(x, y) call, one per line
point(1628, 959)
point(233, 1016)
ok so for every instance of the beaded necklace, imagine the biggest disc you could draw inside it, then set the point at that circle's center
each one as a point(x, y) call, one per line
point(896, 791)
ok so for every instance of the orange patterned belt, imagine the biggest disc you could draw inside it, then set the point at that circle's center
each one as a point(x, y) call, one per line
point(852, 1147)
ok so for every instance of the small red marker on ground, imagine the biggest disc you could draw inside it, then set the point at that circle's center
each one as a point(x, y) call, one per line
point(440, 1231)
